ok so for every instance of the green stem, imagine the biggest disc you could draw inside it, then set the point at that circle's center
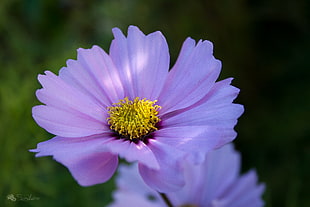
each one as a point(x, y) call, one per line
point(166, 199)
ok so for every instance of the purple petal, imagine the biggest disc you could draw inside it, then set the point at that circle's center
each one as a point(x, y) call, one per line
point(170, 175)
point(86, 157)
point(222, 117)
point(68, 112)
point(211, 120)
point(220, 168)
point(215, 182)
point(222, 93)
point(143, 62)
point(244, 192)
point(101, 73)
point(192, 76)
point(217, 103)
point(85, 81)
point(124, 199)
point(95, 169)
point(129, 180)
point(134, 152)
point(59, 94)
point(132, 190)
point(195, 140)
point(64, 123)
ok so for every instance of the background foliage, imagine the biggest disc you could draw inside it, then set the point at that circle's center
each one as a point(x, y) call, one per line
point(263, 44)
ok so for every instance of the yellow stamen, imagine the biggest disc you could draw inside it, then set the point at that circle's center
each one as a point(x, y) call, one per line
point(133, 119)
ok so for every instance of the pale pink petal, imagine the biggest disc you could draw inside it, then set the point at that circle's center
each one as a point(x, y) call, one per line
point(86, 157)
point(193, 75)
point(169, 177)
point(143, 62)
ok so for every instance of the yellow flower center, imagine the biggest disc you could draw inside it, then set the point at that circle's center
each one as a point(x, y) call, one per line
point(133, 119)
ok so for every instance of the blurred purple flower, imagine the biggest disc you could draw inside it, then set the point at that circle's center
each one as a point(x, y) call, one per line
point(127, 103)
point(214, 183)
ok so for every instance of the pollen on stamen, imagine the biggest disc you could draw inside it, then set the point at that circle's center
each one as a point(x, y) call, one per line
point(133, 119)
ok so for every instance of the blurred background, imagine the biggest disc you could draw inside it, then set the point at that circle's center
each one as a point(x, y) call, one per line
point(264, 45)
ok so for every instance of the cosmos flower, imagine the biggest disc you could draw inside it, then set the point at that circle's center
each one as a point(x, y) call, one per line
point(214, 183)
point(129, 104)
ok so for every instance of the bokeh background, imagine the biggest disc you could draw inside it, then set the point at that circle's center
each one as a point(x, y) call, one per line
point(264, 45)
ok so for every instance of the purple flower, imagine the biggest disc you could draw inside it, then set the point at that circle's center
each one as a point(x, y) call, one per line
point(127, 103)
point(214, 183)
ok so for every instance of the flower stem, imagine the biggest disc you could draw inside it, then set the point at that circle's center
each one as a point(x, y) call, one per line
point(166, 199)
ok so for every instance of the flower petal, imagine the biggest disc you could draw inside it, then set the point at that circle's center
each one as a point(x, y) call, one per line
point(129, 180)
point(134, 152)
point(221, 117)
point(197, 141)
point(192, 76)
point(101, 73)
point(244, 192)
point(221, 94)
point(85, 157)
point(68, 112)
point(143, 62)
point(170, 175)
point(85, 81)
point(220, 168)
point(64, 123)
point(57, 93)
point(123, 199)
point(132, 190)
point(216, 182)
point(214, 118)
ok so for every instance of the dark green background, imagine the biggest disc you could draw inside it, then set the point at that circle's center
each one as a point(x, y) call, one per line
point(264, 45)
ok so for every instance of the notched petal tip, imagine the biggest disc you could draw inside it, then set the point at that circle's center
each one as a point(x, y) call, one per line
point(42, 76)
point(117, 33)
point(46, 77)
point(85, 50)
point(79, 50)
point(208, 44)
point(135, 30)
point(188, 44)
point(68, 63)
